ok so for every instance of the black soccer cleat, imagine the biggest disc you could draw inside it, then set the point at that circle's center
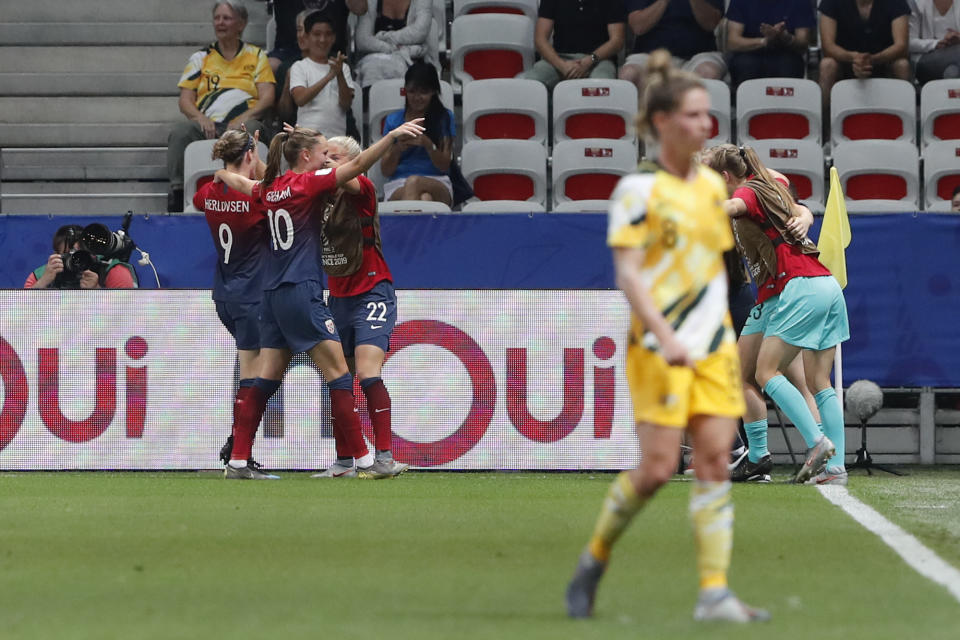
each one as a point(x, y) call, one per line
point(226, 450)
point(748, 471)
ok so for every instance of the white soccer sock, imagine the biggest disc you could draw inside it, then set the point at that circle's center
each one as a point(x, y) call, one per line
point(365, 461)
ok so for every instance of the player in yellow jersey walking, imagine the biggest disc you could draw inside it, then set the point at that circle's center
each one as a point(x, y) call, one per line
point(668, 231)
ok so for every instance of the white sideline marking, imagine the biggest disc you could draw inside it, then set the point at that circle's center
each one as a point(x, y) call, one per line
point(922, 559)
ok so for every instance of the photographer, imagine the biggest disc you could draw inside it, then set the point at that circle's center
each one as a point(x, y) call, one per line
point(69, 252)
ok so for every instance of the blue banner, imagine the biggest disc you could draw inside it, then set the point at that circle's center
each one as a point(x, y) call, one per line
point(903, 296)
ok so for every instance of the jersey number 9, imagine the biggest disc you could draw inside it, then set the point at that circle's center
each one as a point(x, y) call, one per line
point(225, 233)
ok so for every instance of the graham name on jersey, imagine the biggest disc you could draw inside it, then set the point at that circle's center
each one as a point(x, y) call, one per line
point(227, 206)
point(277, 196)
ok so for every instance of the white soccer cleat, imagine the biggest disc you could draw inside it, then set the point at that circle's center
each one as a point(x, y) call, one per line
point(830, 475)
point(724, 606)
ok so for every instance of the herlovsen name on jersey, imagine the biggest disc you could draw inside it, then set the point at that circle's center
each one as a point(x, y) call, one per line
point(227, 206)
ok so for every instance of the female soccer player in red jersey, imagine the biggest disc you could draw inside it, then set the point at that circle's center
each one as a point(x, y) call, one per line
point(801, 307)
point(294, 318)
point(238, 227)
point(362, 299)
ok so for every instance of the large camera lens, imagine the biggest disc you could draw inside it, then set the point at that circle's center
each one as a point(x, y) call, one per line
point(99, 239)
point(78, 261)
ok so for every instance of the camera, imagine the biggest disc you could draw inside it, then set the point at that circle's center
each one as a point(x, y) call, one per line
point(112, 245)
point(100, 246)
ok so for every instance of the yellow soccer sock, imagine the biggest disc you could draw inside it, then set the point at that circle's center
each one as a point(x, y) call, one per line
point(619, 507)
point(712, 514)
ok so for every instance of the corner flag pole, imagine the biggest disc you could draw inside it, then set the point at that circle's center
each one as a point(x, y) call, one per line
point(834, 239)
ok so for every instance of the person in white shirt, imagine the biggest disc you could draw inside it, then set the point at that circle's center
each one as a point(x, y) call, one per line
point(935, 39)
point(321, 86)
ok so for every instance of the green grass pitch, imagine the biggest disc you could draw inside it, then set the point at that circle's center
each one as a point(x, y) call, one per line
point(445, 555)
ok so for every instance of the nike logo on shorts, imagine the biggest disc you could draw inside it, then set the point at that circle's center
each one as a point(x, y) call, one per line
point(376, 326)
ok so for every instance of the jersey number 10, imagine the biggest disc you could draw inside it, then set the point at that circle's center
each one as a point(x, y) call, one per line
point(284, 241)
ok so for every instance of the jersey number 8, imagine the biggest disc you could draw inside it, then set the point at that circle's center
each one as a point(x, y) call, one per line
point(285, 241)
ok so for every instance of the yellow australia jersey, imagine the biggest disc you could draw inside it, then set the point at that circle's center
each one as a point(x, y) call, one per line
point(684, 231)
point(225, 89)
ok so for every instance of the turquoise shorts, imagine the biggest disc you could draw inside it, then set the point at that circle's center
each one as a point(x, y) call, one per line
point(758, 316)
point(809, 313)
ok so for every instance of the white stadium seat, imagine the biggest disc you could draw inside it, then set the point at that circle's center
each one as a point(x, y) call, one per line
point(940, 111)
point(520, 7)
point(506, 170)
point(720, 111)
point(490, 45)
point(878, 170)
point(941, 169)
point(873, 109)
point(510, 108)
point(589, 168)
point(801, 161)
point(594, 108)
point(778, 108)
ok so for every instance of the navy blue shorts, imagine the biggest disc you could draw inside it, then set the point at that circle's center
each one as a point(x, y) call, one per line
point(367, 318)
point(294, 317)
point(242, 320)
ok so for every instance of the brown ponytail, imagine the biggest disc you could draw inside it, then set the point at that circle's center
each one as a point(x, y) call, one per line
point(742, 162)
point(665, 89)
point(287, 146)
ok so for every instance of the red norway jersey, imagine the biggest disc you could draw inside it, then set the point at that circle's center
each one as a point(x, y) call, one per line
point(374, 268)
point(294, 204)
point(238, 227)
point(791, 261)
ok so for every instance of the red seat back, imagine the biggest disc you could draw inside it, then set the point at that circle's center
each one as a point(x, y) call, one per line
point(590, 186)
point(503, 186)
point(876, 186)
point(483, 64)
point(511, 126)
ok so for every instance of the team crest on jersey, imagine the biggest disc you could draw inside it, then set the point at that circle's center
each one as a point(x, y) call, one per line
point(332, 328)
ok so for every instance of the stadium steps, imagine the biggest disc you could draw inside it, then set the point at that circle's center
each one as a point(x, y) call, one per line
point(118, 22)
point(89, 97)
point(78, 198)
point(84, 163)
point(91, 71)
point(67, 121)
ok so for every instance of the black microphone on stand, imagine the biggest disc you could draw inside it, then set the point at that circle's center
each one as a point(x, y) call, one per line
point(864, 399)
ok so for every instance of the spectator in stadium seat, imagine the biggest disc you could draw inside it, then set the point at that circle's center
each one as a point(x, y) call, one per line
point(862, 39)
point(322, 87)
point(955, 200)
point(682, 27)
point(935, 39)
point(224, 85)
point(586, 38)
point(286, 107)
point(768, 39)
point(391, 38)
point(289, 45)
point(418, 169)
point(286, 13)
point(115, 273)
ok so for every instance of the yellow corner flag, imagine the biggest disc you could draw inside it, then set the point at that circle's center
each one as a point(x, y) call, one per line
point(835, 231)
